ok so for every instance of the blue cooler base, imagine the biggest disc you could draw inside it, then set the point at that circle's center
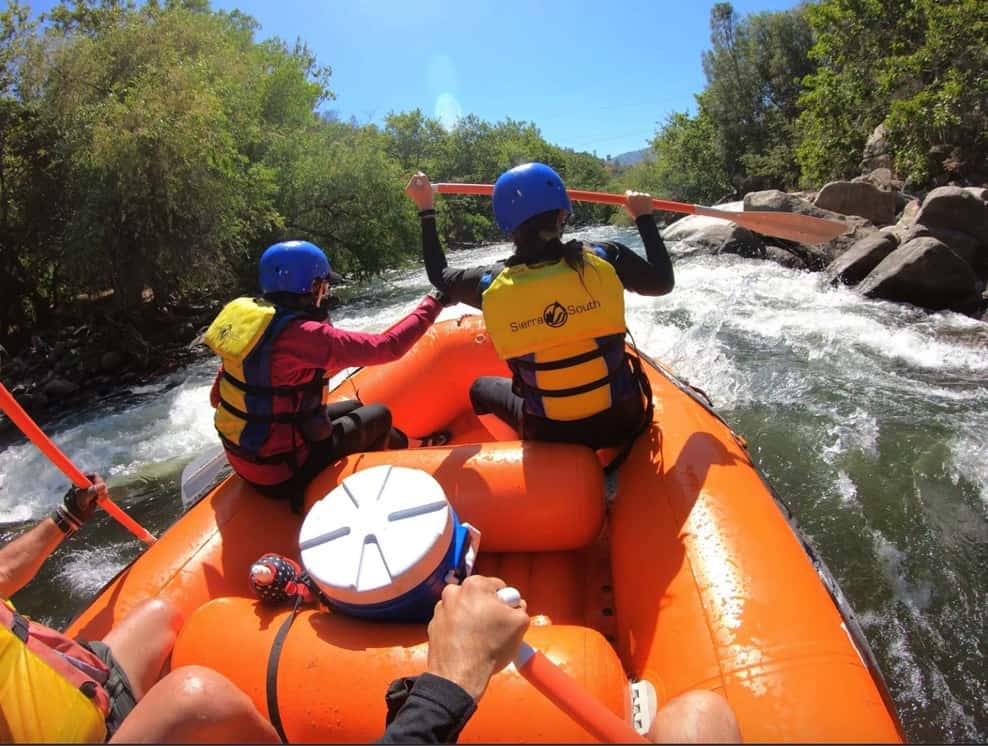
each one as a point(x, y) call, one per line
point(418, 604)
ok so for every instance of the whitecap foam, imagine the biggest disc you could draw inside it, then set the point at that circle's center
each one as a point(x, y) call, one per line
point(969, 458)
point(85, 571)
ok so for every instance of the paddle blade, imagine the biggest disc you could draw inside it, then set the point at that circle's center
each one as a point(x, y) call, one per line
point(202, 473)
point(788, 225)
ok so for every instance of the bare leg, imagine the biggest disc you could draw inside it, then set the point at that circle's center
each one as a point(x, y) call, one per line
point(697, 716)
point(194, 704)
point(143, 640)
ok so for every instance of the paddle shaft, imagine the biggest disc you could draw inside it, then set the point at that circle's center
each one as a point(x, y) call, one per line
point(579, 195)
point(566, 693)
point(792, 226)
point(28, 426)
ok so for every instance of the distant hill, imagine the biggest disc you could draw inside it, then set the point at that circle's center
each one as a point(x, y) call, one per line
point(631, 158)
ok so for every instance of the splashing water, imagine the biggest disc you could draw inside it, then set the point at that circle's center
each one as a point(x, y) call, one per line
point(870, 418)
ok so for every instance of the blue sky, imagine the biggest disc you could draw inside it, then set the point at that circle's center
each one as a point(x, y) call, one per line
point(591, 75)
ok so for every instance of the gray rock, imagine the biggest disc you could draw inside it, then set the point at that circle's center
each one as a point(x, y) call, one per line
point(965, 246)
point(785, 258)
point(979, 192)
point(853, 265)
point(59, 388)
point(882, 178)
point(907, 216)
point(877, 150)
point(110, 361)
point(714, 236)
point(773, 200)
point(902, 201)
point(36, 401)
point(955, 209)
point(925, 273)
point(861, 198)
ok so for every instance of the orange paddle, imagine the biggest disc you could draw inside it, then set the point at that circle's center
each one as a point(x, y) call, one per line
point(564, 691)
point(789, 225)
point(23, 420)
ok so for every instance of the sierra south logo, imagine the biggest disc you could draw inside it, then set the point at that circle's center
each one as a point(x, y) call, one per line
point(555, 315)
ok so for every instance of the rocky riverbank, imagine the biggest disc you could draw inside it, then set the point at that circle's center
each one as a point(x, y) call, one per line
point(92, 352)
point(927, 250)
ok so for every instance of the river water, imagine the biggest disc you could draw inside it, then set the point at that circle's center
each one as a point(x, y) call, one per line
point(869, 418)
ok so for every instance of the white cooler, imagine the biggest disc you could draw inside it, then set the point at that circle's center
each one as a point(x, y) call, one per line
point(384, 543)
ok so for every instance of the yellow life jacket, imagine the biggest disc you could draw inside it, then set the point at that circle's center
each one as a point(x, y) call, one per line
point(243, 335)
point(50, 686)
point(562, 333)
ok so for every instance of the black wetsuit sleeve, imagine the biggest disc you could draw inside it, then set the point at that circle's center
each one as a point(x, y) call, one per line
point(461, 285)
point(426, 709)
point(650, 276)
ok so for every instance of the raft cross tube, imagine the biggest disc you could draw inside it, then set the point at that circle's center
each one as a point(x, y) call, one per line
point(563, 691)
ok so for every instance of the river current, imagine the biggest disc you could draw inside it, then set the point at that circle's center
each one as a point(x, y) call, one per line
point(869, 418)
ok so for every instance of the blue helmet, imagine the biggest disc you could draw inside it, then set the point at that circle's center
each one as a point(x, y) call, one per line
point(527, 190)
point(292, 267)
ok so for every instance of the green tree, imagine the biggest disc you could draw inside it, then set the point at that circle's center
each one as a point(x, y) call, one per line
point(167, 114)
point(754, 71)
point(917, 65)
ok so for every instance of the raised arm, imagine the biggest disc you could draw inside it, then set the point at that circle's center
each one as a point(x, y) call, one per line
point(460, 285)
point(652, 275)
point(343, 349)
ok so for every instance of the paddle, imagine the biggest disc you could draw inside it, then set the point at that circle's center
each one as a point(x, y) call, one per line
point(788, 225)
point(564, 691)
point(199, 475)
point(21, 418)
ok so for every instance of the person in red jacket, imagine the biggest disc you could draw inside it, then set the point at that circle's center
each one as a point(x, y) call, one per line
point(55, 689)
point(278, 352)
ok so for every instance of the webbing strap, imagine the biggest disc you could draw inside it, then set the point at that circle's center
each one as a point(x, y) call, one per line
point(646, 390)
point(284, 457)
point(284, 418)
point(575, 390)
point(572, 391)
point(247, 388)
point(271, 677)
point(566, 362)
point(20, 627)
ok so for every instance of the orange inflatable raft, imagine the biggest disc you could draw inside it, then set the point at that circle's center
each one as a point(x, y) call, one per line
point(684, 571)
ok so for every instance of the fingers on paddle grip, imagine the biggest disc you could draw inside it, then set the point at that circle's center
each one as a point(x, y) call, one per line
point(510, 596)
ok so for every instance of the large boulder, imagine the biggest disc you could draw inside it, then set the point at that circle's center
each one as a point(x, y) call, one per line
point(111, 360)
point(59, 388)
point(700, 234)
point(772, 200)
point(964, 245)
point(877, 150)
point(957, 209)
point(858, 198)
point(880, 178)
point(925, 273)
point(857, 262)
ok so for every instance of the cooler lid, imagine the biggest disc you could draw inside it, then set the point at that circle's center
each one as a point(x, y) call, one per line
point(377, 535)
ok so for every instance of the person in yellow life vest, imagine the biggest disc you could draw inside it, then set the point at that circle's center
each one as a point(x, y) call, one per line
point(278, 352)
point(54, 689)
point(555, 313)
